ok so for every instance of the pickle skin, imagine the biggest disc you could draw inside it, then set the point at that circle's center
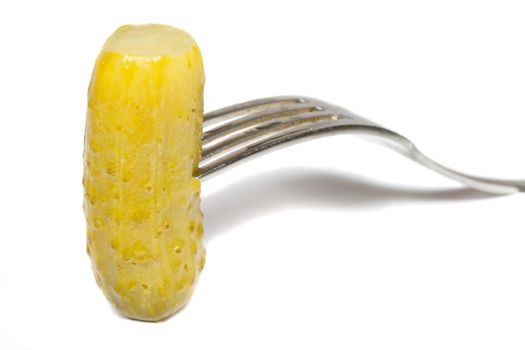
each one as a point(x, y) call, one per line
point(142, 145)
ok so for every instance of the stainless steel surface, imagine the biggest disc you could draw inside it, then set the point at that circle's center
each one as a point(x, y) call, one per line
point(239, 132)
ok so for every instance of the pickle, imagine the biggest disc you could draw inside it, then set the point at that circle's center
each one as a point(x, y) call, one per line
point(142, 146)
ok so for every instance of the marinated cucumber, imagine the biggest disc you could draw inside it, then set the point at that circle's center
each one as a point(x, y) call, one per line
point(142, 146)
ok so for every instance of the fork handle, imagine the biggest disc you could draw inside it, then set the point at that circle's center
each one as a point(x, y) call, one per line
point(405, 147)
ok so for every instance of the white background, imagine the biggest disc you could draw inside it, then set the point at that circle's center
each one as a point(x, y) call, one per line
point(331, 244)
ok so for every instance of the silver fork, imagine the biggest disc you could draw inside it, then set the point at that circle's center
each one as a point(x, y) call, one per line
point(239, 132)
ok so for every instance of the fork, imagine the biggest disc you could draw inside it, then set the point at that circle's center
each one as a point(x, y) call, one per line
point(236, 133)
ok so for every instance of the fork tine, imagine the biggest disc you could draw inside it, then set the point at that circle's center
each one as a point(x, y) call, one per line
point(253, 129)
point(300, 129)
point(211, 119)
point(232, 125)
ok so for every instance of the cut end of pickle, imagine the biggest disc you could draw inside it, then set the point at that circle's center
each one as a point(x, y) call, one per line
point(149, 40)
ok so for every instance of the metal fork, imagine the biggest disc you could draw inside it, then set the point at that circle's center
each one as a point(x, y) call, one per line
point(239, 132)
